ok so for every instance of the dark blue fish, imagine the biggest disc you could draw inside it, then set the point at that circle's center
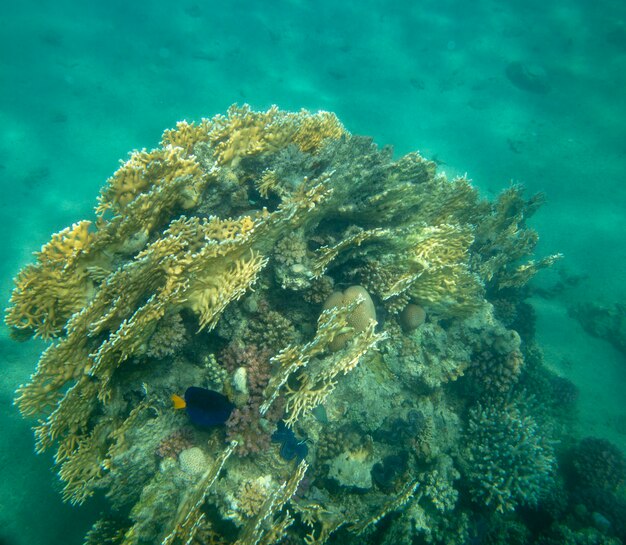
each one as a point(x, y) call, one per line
point(205, 408)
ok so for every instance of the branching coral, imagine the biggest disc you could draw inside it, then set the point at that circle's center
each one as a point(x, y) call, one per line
point(503, 239)
point(496, 363)
point(169, 336)
point(509, 462)
point(49, 292)
point(177, 441)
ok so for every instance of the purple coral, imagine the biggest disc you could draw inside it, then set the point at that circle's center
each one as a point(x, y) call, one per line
point(245, 423)
point(177, 441)
point(251, 357)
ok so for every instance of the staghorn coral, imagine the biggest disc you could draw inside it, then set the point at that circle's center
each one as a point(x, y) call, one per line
point(283, 203)
point(507, 460)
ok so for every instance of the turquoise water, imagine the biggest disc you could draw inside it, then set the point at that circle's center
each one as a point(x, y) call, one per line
point(529, 92)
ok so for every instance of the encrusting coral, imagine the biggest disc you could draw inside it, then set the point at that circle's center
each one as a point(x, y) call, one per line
point(289, 265)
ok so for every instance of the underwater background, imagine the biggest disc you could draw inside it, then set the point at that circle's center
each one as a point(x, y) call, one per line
point(526, 92)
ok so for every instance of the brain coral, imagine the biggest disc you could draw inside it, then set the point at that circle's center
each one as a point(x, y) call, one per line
point(359, 318)
point(193, 461)
point(411, 317)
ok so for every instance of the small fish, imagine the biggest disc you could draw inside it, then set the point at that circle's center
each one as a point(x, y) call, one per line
point(205, 408)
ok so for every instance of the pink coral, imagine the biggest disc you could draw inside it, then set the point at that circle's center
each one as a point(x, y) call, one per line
point(250, 356)
point(245, 423)
point(177, 441)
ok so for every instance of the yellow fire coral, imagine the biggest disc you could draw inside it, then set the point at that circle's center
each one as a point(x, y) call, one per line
point(186, 135)
point(502, 239)
point(316, 376)
point(145, 170)
point(49, 292)
point(243, 133)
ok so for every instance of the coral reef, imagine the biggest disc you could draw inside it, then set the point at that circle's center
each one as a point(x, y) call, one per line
point(561, 534)
point(358, 320)
point(497, 363)
point(287, 266)
point(601, 510)
point(193, 461)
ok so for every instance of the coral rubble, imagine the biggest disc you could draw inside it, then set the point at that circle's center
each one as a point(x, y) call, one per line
point(341, 299)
